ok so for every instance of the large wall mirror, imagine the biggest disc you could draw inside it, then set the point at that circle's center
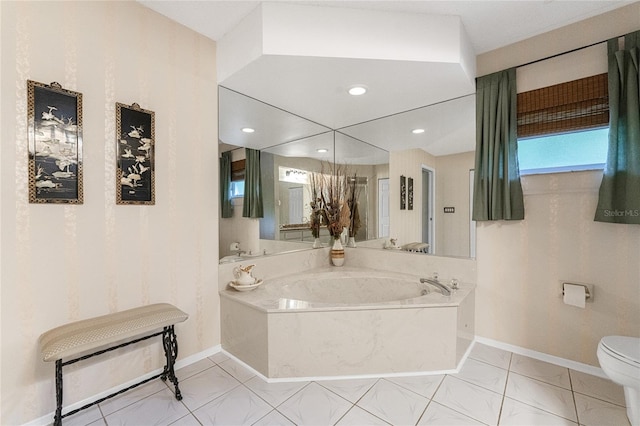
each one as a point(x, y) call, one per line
point(377, 152)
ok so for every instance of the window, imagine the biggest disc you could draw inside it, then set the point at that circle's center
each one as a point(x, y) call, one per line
point(585, 150)
point(236, 189)
point(564, 127)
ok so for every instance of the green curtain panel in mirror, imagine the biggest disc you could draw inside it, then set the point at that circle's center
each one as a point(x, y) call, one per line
point(497, 188)
point(253, 206)
point(226, 208)
point(619, 200)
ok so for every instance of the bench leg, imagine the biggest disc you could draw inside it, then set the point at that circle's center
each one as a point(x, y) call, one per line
point(170, 343)
point(57, 419)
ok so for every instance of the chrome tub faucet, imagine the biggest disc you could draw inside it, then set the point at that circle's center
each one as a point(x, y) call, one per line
point(446, 291)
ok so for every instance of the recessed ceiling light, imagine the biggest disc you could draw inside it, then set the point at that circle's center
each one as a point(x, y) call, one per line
point(322, 150)
point(357, 90)
point(417, 131)
point(248, 130)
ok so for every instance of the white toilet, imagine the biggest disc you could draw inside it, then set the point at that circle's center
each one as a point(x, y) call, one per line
point(619, 358)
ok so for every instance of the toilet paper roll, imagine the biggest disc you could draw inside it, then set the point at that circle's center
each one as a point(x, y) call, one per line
point(575, 295)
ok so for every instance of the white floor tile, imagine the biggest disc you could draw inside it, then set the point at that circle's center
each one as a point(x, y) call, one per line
point(237, 370)
point(515, 413)
point(274, 418)
point(188, 420)
point(439, 415)
point(422, 385)
point(159, 409)
point(469, 399)
point(83, 417)
point(491, 355)
point(219, 357)
point(597, 387)
point(274, 393)
point(350, 389)
point(393, 403)
point(594, 412)
point(483, 374)
point(314, 405)
point(553, 399)
point(206, 386)
point(536, 393)
point(359, 417)
point(540, 370)
point(134, 395)
point(193, 369)
point(238, 407)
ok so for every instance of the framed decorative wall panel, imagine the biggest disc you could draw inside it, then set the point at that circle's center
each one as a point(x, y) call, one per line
point(410, 194)
point(403, 193)
point(54, 117)
point(135, 136)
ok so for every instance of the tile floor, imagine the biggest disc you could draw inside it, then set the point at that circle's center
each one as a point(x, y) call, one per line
point(494, 387)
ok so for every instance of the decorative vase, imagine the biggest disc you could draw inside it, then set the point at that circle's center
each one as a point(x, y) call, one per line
point(352, 242)
point(317, 243)
point(337, 253)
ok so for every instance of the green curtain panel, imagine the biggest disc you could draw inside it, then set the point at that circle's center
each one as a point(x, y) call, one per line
point(252, 185)
point(497, 190)
point(619, 200)
point(225, 185)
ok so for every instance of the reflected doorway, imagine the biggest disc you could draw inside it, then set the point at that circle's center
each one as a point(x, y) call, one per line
point(296, 205)
point(383, 208)
point(428, 197)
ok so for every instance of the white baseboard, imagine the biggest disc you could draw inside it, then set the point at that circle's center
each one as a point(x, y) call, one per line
point(48, 419)
point(344, 377)
point(563, 362)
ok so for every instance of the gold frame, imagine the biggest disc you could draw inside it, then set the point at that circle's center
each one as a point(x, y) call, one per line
point(55, 144)
point(135, 155)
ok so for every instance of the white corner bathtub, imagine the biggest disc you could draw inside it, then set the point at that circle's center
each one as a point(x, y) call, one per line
point(347, 322)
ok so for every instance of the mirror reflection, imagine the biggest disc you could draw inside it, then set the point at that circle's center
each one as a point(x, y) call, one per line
point(292, 148)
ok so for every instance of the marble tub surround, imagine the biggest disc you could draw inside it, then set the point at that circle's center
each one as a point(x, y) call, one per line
point(331, 289)
point(275, 265)
point(424, 265)
point(285, 337)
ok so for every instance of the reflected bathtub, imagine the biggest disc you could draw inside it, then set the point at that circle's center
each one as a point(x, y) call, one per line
point(347, 322)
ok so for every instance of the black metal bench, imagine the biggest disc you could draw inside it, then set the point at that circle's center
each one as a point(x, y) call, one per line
point(107, 333)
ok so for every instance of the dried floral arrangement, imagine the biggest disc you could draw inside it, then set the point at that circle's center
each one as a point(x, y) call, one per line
point(329, 201)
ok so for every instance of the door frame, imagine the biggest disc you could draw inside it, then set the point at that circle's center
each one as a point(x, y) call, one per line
point(431, 204)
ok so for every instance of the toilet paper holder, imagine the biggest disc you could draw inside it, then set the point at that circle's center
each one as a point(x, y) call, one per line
point(588, 289)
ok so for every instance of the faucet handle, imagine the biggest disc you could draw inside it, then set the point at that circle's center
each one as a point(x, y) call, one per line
point(454, 283)
point(435, 276)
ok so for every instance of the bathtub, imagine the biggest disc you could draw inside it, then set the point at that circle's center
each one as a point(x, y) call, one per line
point(347, 322)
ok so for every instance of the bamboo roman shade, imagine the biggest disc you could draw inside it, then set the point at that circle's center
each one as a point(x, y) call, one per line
point(237, 170)
point(567, 107)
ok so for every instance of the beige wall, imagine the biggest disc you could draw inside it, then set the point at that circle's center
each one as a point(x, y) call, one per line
point(521, 264)
point(406, 225)
point(451, 190)
point(63, 263)
point(584, 33)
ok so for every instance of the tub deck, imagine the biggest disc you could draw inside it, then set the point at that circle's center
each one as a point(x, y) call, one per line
point(285, 337)
point(277, 295)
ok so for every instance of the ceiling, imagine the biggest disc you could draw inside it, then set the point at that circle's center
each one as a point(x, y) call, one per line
point(315, 86)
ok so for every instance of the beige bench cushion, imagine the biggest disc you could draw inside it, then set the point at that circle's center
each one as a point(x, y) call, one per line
point(86, 335)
